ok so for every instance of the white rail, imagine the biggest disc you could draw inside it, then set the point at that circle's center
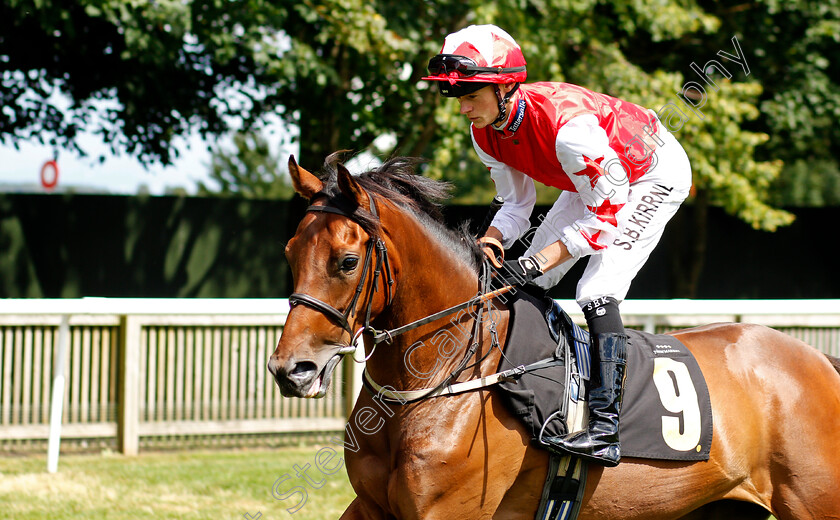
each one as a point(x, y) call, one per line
point(197, 366)
point(280, 306)
point(146, 306)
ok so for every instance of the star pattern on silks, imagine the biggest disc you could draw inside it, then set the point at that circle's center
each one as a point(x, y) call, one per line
point(593, 170)
point(593, 240)
point(606, 212)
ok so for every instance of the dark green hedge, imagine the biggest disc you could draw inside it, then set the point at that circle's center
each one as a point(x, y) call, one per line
point(66, 246)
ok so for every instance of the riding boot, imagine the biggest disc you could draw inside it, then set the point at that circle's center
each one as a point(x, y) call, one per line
point(599, 442)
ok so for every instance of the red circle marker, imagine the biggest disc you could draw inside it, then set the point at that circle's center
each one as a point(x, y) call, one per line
point(49, 183)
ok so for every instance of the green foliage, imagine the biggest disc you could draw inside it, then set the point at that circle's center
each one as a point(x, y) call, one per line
point(250, 171)
point(177, 247)
point(345, 72)
point(135, 73)
point(807, 183)
point(794, 52)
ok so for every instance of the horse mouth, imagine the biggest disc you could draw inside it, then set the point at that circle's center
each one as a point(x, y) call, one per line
point(321, 383)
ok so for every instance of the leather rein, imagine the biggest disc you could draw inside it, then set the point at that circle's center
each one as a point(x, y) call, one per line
point(380, 264)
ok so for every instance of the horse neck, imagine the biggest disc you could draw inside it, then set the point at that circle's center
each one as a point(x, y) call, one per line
point(432, 277)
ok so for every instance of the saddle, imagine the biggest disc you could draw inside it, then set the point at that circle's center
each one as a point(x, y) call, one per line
point(666, 411)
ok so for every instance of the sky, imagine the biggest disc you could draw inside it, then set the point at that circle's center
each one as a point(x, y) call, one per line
point(20, 170)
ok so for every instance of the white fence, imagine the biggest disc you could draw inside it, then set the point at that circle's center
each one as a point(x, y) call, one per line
point(138, 368)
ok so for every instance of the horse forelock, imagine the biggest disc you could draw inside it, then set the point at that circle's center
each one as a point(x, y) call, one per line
point(396, 181)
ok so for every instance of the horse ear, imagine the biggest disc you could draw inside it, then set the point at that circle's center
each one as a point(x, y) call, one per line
point(349, 186)
point(306, 184)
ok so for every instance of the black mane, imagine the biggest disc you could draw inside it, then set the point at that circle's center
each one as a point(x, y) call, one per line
point(397, 181)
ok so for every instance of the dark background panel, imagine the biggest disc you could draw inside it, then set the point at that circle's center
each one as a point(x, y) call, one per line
point(68, 246)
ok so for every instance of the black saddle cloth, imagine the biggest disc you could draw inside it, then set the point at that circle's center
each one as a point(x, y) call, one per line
point(535, 397)
point(666, 411)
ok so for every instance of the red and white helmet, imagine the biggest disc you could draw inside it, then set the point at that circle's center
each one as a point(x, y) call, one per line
point(475, 56)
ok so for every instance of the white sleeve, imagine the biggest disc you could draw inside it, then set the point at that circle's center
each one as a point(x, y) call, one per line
point(518, 192)
point(600, 179)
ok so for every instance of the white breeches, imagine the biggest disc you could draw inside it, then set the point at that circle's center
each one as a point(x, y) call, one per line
point(652, 201)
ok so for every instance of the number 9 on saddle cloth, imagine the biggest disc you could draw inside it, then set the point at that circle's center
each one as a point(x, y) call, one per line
point(549, 397)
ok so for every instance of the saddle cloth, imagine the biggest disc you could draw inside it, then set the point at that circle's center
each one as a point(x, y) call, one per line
point(666, 413)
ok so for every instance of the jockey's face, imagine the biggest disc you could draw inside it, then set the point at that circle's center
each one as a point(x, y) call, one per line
point(481, 107)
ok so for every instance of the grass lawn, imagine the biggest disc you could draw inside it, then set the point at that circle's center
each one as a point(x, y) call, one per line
point(185, 485)
point(259, 484)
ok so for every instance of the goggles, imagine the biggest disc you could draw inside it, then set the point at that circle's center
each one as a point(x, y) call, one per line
point(449, 64)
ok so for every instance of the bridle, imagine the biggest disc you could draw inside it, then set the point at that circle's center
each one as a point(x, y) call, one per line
point(342, 318)
point(375, 243)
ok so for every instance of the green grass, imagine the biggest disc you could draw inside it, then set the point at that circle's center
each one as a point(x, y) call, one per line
point(183, 485)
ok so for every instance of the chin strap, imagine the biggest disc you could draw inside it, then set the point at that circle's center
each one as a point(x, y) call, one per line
point(503, 103)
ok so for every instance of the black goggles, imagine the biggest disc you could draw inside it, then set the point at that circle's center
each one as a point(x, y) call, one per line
point(446, 64)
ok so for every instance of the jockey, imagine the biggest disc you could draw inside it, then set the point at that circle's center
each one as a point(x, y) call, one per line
point(621, 176)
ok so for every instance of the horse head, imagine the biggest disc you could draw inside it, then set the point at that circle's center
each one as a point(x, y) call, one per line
point(335, 282)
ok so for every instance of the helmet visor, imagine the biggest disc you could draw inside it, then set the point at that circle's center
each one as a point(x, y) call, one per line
point(460, 88)
point(454, 65)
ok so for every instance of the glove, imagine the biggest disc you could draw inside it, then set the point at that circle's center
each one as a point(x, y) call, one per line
point(520, 271)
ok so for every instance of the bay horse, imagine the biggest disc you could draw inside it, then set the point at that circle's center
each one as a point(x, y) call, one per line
point(371, 254)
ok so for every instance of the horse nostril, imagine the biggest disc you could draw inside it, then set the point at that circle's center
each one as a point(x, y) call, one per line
point(293, 377)
point(303, 370)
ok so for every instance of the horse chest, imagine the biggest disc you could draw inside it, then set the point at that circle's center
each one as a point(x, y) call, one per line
point(427, 456)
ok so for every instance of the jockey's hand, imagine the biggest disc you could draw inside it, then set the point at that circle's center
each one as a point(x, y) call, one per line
point(520, 271)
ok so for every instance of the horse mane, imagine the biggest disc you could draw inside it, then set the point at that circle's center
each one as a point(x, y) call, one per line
point(835, 362)
point(397, 181)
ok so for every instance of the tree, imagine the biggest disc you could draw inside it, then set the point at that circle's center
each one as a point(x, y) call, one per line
point(139, 74)
point(345, 72)
point(251, 170)
point(797, 60)
point(793, 53)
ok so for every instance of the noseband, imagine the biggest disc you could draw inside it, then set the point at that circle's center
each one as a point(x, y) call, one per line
point(342, 318)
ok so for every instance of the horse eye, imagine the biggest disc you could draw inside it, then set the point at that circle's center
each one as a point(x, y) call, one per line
point(349, 263)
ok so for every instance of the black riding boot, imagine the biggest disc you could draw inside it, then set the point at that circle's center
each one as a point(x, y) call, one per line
point(599, 442)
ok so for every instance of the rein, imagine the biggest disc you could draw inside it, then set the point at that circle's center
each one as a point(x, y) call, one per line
point(388, 335)
point(342, 319)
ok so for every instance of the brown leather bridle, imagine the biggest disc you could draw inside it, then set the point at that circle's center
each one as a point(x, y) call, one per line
point(342, 318)
point(375, 243)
